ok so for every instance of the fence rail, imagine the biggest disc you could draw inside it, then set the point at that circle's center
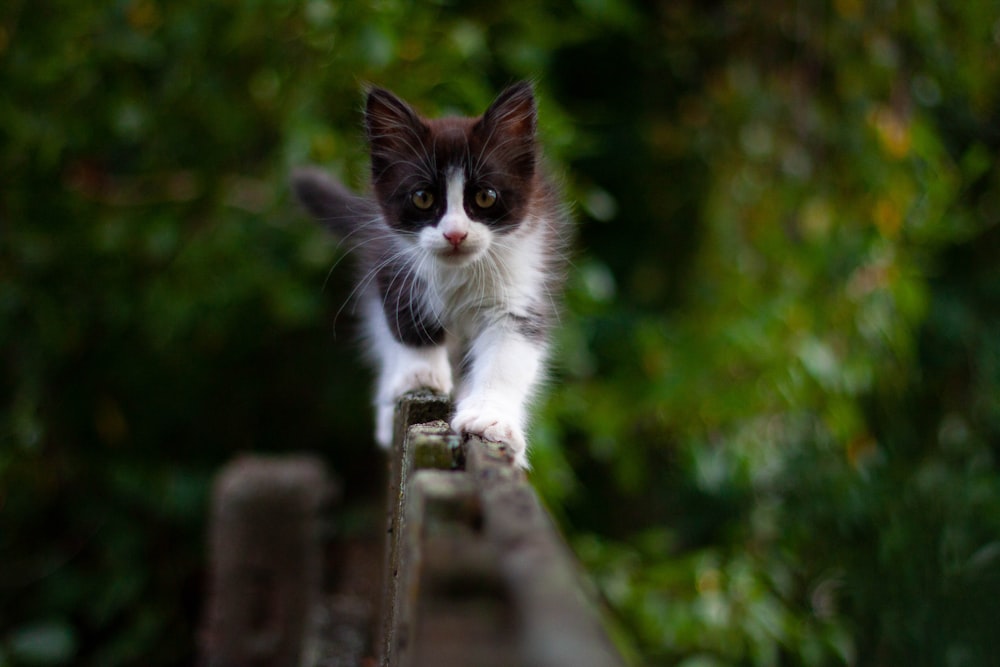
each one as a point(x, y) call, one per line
point(473, 570)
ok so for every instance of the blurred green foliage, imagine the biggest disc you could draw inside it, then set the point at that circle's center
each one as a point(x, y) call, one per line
point(773, 429)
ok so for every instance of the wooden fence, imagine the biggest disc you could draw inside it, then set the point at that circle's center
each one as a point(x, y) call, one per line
point(473, 571)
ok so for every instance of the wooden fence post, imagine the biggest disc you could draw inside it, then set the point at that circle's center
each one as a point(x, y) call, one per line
point(265, 561)
point(474, 571)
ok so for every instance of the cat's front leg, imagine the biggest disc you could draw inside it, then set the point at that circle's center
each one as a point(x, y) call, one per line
point(406, 369)
point(504, 372)
point(402, 367)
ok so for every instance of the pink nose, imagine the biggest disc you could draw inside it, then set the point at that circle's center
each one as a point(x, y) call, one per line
point(456, 237)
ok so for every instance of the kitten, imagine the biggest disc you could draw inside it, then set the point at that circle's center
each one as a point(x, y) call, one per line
point(461, 250)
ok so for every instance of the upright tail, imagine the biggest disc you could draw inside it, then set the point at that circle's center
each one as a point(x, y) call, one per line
point(326, 199)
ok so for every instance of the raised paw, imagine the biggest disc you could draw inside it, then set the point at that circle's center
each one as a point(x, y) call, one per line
point(493, 427)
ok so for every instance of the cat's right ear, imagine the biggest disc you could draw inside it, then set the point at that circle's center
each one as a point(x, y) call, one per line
point(391, 125)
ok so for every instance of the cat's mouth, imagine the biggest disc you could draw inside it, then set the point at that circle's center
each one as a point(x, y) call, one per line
point(457, 256)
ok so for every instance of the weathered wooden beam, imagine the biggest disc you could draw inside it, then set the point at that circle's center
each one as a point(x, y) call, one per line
point(455, 609)
point(558, 621)
point(414, 408)
point(477, 573)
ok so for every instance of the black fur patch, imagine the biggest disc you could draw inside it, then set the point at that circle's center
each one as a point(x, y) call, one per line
point(400, 290)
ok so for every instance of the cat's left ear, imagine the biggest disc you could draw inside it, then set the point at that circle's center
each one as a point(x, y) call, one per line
point(513, 112)
point(393, 127)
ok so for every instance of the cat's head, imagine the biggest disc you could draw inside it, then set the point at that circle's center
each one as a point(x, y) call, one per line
point(454, 185)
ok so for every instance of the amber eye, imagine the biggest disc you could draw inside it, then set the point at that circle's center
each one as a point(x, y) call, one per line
point(422, 199)
point(486, 198)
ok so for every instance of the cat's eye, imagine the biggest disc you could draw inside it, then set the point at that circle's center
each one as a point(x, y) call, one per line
point(486, 197)
point(422, 199)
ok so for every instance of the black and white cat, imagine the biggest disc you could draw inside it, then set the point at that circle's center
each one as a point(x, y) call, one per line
point(462, 250)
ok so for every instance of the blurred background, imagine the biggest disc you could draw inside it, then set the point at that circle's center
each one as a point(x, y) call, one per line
point(773, 426)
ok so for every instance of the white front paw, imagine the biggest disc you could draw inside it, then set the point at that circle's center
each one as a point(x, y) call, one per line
point(420, 377)
point(409, 371)
point(494, 426)
point(385, 422)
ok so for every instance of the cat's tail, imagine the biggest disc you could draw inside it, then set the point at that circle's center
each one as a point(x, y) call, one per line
point(331, 203)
